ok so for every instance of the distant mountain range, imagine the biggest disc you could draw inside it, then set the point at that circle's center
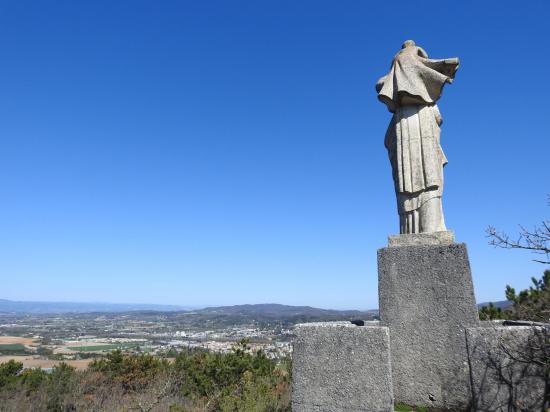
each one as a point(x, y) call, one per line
point(277, 311)
point(265, 311)
point(267, 314)
point(503, 304)
point(10, 306)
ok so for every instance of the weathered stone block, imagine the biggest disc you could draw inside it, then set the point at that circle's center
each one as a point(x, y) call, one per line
point(446, 237)
point(504, 370)
point(427, 300)
point(341, 367)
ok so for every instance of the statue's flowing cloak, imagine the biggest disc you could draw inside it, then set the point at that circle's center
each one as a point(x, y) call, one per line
point(415, 79)
point(410, 91)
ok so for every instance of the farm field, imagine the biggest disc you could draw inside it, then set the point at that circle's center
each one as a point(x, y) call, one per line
point(12, 340)
point(31, 362)
point(12, 347)
point(16, 344)
point(100, 347)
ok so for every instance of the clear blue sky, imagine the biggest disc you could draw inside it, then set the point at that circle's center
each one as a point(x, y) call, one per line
point(215, 152)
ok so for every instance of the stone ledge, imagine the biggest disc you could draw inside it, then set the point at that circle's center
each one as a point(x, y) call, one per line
point(422, 239)
point(344, 324)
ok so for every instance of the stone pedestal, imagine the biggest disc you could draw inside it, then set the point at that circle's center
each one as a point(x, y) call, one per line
point(427, 300)
point(338, 366)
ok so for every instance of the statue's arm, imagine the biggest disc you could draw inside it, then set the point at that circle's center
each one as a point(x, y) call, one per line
point(437, 115)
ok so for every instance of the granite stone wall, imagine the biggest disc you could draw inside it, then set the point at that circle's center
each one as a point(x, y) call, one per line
point(341, 367)
point(507, 367)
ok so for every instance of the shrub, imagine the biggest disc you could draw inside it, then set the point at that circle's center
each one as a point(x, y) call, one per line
point(9, 372)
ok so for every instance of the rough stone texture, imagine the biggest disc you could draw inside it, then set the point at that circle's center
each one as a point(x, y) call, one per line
point(410, 91)
point(446, 237)
point(341, 367)
point(427, 300)
point(503, 375)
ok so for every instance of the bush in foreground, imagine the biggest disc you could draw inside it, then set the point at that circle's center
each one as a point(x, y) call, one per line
point(195, 381)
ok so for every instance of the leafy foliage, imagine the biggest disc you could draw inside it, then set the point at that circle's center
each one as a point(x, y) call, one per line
point(194, 381)
point(60, 383)
point(238, 381)
point(131, 372)
point(9, 372)
point(492, 312)
point(532, 304)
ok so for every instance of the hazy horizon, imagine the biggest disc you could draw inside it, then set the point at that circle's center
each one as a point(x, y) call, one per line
point(198, 306)
point(181, 305)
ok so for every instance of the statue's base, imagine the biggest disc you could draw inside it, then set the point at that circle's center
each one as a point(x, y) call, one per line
point(429, 350)
point(427, 300)
point(446, 237)
point(341, 367)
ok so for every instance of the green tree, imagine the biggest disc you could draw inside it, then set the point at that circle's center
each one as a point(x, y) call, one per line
point(241, 380)
point(133, 372)
point(33, 379)
point(492, 312)
point(532, 303)
point(9, 371)
point(61, 383)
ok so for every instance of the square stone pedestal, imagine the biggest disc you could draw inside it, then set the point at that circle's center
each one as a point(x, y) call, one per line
point(427, 301)
point(338, 366)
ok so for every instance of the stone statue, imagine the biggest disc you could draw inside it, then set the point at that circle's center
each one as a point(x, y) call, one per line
point(410, 91)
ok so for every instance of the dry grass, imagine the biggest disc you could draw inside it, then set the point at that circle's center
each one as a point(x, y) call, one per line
point(10, 340)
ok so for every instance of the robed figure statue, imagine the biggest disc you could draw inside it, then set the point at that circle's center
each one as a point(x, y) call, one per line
point(410, 91)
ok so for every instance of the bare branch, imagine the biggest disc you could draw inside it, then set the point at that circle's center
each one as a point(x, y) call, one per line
point(536, 241)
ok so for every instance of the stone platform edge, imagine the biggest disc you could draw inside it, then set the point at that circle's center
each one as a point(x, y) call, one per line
point(444, 238)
